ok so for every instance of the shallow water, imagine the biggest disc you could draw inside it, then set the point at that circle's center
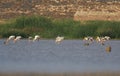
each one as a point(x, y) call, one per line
point(69, 56)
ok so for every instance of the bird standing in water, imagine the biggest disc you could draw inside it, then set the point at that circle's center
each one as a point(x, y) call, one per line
point(17, 38)
point(59, 39)
point(108, 49)
point(12, 37)
point(37, 37)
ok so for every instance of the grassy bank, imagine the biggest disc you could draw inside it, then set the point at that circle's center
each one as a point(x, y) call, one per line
point(50, 28)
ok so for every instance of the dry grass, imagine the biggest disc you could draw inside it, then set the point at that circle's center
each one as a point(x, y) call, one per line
point(2, 21)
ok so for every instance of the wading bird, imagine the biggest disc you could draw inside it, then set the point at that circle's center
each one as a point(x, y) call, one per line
point(91, 39)
point(37, 37)
point(88, 40)
point(12, 37)
point(59, 39)
point(107, 38)
point(108, 48)
point(102, 40)
point(17, 38)
point(30, 38)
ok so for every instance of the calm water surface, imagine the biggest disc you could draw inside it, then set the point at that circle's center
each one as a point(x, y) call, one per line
point(69, 56)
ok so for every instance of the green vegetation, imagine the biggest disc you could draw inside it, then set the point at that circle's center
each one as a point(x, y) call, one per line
point(50, 28)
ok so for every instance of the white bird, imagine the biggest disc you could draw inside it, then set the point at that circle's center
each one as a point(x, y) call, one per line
point(98, 39)
point(88, 40)
point(107, 38)
point(101, 40)
point(17, 38)
point(30, 38)
point(37, 37)
point(12, 37)
point(59, 39)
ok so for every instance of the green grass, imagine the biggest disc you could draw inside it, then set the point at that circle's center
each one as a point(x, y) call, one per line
point(50, 28)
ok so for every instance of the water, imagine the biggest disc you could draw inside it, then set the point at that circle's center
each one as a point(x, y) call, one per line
point(69, 56)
